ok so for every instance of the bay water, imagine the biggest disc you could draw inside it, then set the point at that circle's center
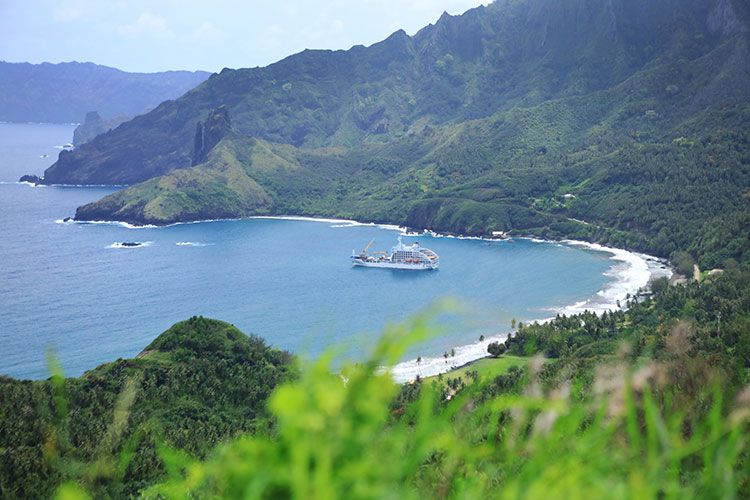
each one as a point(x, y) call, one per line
point(75, 288)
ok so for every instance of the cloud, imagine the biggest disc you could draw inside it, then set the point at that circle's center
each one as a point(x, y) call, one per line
point(337, 25)
point(147, 25)
point(67, 14)
point(273, 36)
point(207, 32)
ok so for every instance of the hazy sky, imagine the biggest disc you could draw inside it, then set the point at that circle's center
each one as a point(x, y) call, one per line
point(158, 35)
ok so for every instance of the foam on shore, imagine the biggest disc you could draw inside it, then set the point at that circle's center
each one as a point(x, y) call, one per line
point(104, 223)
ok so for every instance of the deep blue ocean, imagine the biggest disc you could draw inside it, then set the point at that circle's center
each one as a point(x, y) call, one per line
point(68, 286)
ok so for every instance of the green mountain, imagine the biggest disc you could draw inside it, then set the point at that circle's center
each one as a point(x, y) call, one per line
point(199, 383)
point(481, 122)
point(65, 92)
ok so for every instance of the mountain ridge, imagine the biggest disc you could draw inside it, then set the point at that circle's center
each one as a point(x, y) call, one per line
point(522, 105)
point(65, 92)
point(462, 67)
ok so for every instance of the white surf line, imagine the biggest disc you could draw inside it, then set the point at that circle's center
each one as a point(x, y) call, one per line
point(631, 271)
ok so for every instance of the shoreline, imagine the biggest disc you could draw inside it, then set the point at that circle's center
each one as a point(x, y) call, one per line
point(626, 281)
point(630, 272)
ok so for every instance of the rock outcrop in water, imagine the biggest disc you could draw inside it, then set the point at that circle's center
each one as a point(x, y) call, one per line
point(30, 178)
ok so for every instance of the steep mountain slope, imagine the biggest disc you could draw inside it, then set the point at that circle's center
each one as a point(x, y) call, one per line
point(659, 162)
point(65, 92)
point(629, 117)
point(510, 53)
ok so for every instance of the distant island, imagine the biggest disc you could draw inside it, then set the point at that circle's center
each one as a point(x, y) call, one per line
point(65, 92)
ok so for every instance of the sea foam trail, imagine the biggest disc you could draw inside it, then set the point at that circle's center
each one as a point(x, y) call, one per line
point(630, 273)
point(191, 244)
point(333, 222)
point(104, 223)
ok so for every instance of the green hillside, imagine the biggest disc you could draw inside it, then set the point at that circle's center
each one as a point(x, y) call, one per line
point(198, 384)
point(639, 116)
point(647, 167)
point(506, 55)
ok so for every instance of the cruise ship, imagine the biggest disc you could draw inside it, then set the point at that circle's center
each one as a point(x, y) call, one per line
point(400, 257)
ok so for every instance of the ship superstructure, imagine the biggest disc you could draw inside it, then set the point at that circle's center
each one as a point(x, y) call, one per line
point(400, 257)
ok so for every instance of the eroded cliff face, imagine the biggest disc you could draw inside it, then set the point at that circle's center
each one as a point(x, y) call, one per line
point(209, 132)
point(724, 20)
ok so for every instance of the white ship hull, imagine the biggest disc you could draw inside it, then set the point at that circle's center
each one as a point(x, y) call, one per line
point(396, 265)
point(407, 257)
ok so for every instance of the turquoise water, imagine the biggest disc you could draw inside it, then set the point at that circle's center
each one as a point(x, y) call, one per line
point(68, 285)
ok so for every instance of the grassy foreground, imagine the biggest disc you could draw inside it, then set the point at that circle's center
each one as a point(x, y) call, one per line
point(485, 368)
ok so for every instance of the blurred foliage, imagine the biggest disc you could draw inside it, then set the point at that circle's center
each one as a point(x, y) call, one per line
point(614, 426)
point(649, 402)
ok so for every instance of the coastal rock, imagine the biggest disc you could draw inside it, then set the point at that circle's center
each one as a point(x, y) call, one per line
point(33, 179)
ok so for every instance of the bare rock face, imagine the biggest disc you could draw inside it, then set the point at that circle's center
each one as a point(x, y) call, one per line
point(723, 20)
point(208, 133)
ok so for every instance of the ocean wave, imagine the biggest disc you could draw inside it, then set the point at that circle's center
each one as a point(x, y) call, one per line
point(191, 244)
point(104, 223)
point(630, 273)
point(87, 185)
point(433, 234)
